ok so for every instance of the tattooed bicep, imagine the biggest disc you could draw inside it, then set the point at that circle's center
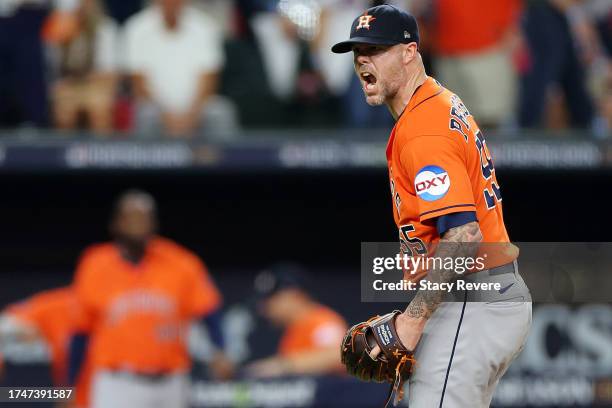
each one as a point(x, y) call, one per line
point(469, 232)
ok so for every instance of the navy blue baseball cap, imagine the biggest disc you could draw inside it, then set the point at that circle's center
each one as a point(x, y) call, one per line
point(381, 25)
point(283, 275)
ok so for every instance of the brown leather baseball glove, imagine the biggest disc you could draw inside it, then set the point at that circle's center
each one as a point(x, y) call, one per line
point(395, 362)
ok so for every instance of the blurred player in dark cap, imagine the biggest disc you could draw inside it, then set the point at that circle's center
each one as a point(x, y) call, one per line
point(312, 331)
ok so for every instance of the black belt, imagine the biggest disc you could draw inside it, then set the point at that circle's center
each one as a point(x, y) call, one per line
point(511, 267)
point(512, 286)
point(150, 377)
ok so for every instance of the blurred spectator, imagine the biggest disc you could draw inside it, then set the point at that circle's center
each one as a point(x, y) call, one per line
point(87, 65)
point(473, 43)
point(600, 73)
point(602, 12)
point(244, 79)
point(284, 35)
point(139, 294)
point(295, 41)
point(279, 51)
point(61, 25)
point(121, 10)
point(221, 11)
point(51, 316)
point(23, 88)
point(561, 41)
point(312, 332)
point(603, 125)
point(174, 55)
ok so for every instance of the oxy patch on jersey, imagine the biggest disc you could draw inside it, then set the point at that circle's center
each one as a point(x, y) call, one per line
point(432, 183)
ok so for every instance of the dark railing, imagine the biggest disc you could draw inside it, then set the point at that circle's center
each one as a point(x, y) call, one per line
point(32, 150)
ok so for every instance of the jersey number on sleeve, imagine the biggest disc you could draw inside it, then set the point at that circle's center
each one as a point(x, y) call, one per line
point(492, 195)
point(408, 243)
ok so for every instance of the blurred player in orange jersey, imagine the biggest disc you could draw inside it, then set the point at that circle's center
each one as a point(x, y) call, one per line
point(51, 316)
point(312, 332)
point(139, 294)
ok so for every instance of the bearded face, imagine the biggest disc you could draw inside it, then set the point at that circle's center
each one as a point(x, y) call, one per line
point(379, 69)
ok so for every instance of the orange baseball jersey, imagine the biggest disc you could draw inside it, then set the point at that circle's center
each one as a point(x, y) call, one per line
point(321, 327)
point(54, 314)
point(439, 164)
point(138, 315)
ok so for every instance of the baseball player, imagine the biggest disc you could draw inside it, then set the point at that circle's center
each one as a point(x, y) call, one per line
point(53, 317)
point(311, 330)
point(138, 295)
point(445, 196)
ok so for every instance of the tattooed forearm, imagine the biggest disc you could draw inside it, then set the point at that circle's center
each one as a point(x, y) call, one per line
point(456, 242)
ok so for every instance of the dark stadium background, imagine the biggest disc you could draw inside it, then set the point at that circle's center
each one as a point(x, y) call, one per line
point(246, 220)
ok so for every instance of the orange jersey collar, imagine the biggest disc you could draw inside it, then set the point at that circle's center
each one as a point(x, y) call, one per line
point(428, 89)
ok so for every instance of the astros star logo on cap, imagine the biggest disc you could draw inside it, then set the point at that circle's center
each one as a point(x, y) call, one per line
point(365, 20)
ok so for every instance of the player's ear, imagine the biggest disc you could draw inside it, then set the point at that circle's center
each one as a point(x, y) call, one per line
point(409, 52)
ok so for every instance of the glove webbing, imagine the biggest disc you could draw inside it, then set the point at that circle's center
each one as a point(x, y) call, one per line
point(397, 386)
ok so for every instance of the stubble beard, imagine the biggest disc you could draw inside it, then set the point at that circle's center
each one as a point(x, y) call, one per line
point(375, 100)
point(383, 95)
point(378, 99)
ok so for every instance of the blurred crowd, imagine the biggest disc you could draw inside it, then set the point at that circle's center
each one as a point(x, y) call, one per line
point(180, 68)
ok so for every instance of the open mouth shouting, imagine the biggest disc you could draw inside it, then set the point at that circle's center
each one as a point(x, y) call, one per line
point(369, 81)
